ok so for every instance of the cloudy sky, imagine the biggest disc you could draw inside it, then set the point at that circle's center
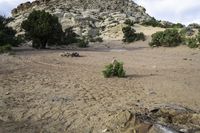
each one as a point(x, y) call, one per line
point(184, 11)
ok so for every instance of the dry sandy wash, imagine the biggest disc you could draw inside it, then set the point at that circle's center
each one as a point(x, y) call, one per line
point(40, 91)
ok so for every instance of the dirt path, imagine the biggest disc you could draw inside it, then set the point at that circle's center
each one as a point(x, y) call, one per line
point(43, 92)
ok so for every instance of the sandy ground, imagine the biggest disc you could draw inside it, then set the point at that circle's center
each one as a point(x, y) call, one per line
point(43, 92)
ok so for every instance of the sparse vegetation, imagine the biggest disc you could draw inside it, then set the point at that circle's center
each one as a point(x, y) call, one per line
point(167, 38)
point(192, 42)
point(153, 22)
point(83, 42)
point(5, 48)
point(69, 36)
point(178, 25)
point(96, 39)
point(130, 35)
point(114, 69)
point(129, 22)
point(42, 28)
point(194, 25)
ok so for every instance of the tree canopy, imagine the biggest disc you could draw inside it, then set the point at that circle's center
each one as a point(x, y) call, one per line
point(42, 28)
point(7, 34)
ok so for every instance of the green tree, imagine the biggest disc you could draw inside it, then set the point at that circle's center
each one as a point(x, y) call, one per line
point(130, 35)
point(7, 34)
point(42, 28)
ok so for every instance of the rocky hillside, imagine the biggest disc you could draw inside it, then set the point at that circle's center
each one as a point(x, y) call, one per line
point(87, 17)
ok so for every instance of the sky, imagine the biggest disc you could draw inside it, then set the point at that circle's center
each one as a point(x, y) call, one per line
point(183, 11)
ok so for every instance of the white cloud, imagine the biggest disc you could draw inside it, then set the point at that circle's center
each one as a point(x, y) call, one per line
point(185, 11)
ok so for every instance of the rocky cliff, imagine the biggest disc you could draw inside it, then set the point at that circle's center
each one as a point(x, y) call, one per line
point(87, 17)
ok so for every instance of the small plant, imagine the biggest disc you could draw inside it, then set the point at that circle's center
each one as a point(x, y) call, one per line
point(5, 48)
point(83, 43)
point(96, 39)
point(129, 22)
point(69, 36)
point(131, 36)
point(114, 69)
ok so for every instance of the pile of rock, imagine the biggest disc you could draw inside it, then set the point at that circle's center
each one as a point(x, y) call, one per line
point(67, 54)
point(164, 119)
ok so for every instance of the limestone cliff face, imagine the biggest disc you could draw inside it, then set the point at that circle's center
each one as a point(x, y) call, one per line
point(87, 17)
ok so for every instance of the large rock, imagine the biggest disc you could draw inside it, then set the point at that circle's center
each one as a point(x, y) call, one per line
point(91, 16)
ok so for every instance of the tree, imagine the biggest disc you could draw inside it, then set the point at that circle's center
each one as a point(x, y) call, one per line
point(130, 35)
point(7, 34)
point(42, 28)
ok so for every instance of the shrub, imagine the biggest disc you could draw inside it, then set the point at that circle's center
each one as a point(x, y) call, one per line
point(152, 22)
point(70, 36)
point(167, 38)
point(187, 31)
point(96, 39)
point(83, 43)
point(192, 42)
point(198, 37)
point(140, 36)
point(178, 25)
point(129, 22)
point(42, 28)
point(131, 36)
point(115, 69)
point(194, 26)
point(5, 48)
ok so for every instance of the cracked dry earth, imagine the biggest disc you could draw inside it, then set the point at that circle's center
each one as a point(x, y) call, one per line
point(41, 92)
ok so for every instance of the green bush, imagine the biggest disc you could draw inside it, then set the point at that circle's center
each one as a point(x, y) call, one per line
point(115, 69)
point(131, 36)
point(153, 22)
point(83, 42)
point(42, 28)
point(178, 25)
point(192, 42)
point(97, 39)
point(5, 48)
point(70, 36)
point(198, 37)
point(167, 38)
point(129, 22)
point(194, 26)
point(187, 31)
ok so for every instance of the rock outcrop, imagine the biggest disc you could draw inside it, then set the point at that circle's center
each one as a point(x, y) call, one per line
point(87, 17)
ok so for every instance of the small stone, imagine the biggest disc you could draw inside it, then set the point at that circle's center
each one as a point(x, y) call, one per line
point(105, 130)
point(7, 93)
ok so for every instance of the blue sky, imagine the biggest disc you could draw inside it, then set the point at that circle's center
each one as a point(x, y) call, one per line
point(184, 11)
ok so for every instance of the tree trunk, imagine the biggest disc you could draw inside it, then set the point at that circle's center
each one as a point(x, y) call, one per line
point(43, 44)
